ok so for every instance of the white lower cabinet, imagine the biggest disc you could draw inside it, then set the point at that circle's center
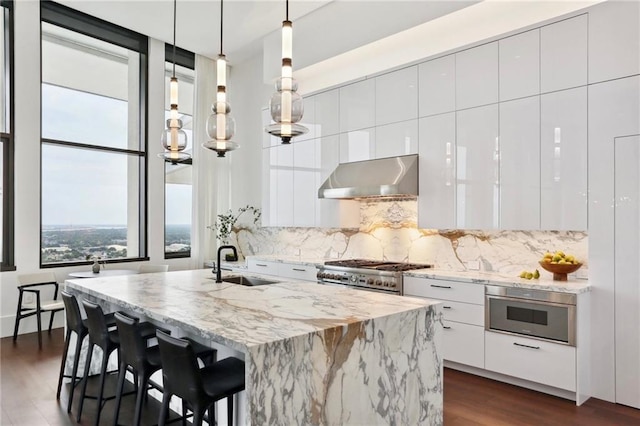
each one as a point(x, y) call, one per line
point(463, 343)
point(543, 362)
point(294, 271)
point(462, 314)
point(262, 266)
point(297, 271)
point(545, 366)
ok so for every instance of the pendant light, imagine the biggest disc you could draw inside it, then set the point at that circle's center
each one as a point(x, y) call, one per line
point(286, 104)
point(174, 139)
point(220, 125)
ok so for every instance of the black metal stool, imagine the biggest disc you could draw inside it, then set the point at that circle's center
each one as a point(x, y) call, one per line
point(143, 360)
point(75, 324)
point(108, 341)
point(199, 388)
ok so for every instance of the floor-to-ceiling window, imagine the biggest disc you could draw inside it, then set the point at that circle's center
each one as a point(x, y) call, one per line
point(178, 177)
point(6, 138)
point(93, 139)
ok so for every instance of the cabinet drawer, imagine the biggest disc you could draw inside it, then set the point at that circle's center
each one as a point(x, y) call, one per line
point(297, 271)
point(444, 290)
point(463, 312)
point(530, 359)
point(262, 267)
point(463, 343)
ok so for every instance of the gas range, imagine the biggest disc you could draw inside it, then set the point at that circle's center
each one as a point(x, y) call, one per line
point(372, 275)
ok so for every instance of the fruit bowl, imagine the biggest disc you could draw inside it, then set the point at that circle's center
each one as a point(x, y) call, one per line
point(560, 270)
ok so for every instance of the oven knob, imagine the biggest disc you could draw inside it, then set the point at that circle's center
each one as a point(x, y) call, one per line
point(393, 284)
point(320, 275)
point(370, 281)
point(354, 279)
point(378, 283)
point(386, 283)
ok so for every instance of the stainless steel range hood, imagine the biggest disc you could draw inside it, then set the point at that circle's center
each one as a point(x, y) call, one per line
point(385, 177)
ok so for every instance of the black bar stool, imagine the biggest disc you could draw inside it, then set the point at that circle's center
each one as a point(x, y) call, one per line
point(143, 360)
point(75, 324)
point(199, 388)
point(108, 341)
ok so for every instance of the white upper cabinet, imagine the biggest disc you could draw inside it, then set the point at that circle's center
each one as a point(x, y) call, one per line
point(269, 189)
point(397, 96)
point(305, 189)
point(308, 119)
point(614, 40)
point(327, 105)
point(563, 54)
point(397, 139)
point(357, 105)
point(477, 76)
point(520, 164)
point(358, 145)
point(332, 213)
point(477, 168)
point(563, 166)
point(437, 86)
point(520, 65)
point(267, 139)
point(436, 201)
point(284, 184)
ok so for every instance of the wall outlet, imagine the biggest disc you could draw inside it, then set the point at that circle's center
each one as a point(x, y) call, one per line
point(473, 265)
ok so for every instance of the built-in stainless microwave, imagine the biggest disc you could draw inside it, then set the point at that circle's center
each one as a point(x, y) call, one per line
point(539, 314)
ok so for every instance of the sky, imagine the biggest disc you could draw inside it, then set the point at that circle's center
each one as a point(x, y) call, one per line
point(83, 187)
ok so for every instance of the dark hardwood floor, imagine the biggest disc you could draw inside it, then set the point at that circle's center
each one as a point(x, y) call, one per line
point(28, 380)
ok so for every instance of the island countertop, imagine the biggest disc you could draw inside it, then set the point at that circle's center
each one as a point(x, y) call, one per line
point(314, 354)
point(239, 316)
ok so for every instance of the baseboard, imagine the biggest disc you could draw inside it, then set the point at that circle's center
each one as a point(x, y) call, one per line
point(561, 393)
point(28, 325)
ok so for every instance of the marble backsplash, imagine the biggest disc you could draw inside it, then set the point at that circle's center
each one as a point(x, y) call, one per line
point(388, 230)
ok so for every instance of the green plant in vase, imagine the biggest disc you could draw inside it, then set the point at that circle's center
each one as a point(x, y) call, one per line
point(227, 223)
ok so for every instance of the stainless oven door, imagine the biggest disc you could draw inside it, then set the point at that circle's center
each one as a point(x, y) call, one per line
point(545, 320)
point(355, 287)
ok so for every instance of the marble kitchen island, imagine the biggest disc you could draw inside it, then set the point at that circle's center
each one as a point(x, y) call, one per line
point(314, 354)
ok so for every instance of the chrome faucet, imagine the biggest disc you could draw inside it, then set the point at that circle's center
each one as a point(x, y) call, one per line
point(219, 270)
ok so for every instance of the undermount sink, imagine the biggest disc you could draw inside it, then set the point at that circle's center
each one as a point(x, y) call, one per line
point(248, 281)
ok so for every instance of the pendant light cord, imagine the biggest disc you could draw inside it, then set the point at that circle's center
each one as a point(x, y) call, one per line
point(221, 23)
point(287, 11)
point(174, 37)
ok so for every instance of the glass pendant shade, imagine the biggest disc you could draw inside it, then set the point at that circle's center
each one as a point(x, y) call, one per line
point(221, 147)
point(220, 125)
point(286, 104)
point(174, 139)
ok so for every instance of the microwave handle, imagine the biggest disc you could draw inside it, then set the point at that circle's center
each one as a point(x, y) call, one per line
point(526, 346)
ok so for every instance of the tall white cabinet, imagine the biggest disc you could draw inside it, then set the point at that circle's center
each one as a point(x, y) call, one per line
point(614, 122)
point(627, 268)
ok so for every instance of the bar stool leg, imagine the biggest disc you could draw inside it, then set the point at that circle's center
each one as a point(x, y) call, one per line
point(229, 410)
point(74, 373)
point(85, 378)
point(166, 398)
point(121, 376)
point(63, 362)
point(103, 374)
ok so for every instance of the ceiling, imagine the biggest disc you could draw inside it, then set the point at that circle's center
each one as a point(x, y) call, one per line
point(248, 22)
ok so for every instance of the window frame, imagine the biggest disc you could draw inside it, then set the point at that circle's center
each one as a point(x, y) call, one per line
point(73, 20)
point(7, 263)
point(185, 59)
